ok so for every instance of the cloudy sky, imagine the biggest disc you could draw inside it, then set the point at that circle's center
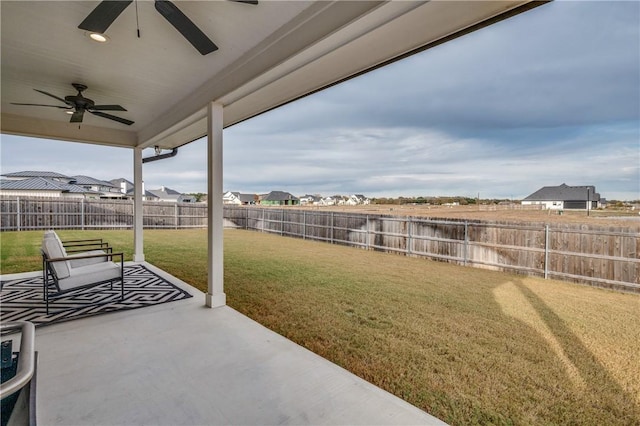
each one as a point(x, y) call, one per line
point(551, 96)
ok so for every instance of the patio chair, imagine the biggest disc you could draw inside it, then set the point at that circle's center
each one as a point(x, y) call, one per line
point(77, 248)
point(63, 273)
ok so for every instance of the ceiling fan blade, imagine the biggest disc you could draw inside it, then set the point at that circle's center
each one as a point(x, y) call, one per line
point(103, 15)
point(107, 108)
point(77, 117)
point(112, 117)
point(52, 106)
point(53, 96)
point(246, 1)
point(186, 27)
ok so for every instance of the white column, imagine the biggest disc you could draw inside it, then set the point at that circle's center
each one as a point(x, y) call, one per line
point(138, 190)
point(215, 290)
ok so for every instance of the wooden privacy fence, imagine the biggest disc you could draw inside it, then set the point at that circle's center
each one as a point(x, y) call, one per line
point(31, 213)
point(603, 256)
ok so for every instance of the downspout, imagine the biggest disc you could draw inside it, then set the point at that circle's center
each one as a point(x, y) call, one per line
point(173, 153)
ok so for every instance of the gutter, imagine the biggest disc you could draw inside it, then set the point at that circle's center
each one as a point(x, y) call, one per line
point(173, 153)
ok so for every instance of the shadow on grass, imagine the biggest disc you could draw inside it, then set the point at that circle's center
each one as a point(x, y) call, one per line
point(593, 376)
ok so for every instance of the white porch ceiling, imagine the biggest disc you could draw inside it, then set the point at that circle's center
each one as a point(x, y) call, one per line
point(269, 54)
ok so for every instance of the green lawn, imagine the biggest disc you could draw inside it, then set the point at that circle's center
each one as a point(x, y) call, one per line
point(467, 345)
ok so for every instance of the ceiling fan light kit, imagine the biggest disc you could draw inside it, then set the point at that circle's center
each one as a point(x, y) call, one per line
point(98, 37)
point(108, 11)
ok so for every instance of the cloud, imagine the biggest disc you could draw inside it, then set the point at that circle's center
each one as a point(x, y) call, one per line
point(563, 64)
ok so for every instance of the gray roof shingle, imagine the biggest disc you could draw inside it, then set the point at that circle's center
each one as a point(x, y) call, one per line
point(165, 193)
point(32, 174)
point(279, 196)
point(42, 184)
point(88, 180)
point(564, 192)
point(118, 181)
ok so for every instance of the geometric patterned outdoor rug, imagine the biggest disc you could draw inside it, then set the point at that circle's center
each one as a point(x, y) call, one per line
point(22, 299)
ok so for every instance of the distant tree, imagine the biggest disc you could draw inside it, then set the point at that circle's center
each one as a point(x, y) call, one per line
point(199, 196)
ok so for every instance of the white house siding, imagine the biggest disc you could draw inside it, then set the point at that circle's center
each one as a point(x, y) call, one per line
point(230, 198)
point(50, 194)
point(549, 205)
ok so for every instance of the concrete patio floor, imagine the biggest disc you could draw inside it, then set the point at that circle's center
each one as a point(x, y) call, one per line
point(183, 364)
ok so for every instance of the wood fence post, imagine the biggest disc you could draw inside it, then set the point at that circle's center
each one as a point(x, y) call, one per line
point(331, 229)
point(263, 219)
point(409, 224)
point(368, 240)
point(304, 225)
point(176, 216)
point(281, 221)
point(546, 252)
point(18, 222)
point(466, 242)
point(82, 214)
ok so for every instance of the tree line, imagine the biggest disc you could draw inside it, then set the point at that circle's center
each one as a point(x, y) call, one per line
point(455, 200)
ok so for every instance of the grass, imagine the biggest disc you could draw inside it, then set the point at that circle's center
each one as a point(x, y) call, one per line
point(469, 346)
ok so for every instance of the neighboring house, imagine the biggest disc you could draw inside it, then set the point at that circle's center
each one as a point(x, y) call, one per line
point(58, 177)
point(124, 185)
point(127, 188)
point(44, 187)
point(565, 197)
point(357, 199)
point(231, 198)
point(334, 200)
point(279, 198)
point(310, 200)
point(108, 189)
point(170, 195)
point(146, 195)
point(52, 184)
point(46, 184)
point(328, 201)
point(238, 199)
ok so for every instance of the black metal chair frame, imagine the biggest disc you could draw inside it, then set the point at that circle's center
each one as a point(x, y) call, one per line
point(50, 278)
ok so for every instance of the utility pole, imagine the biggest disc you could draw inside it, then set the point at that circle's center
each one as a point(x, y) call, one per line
point(588, 202)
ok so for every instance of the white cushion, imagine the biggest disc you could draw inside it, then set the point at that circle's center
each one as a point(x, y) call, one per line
point(84, 262)
point(59, 242)
point(90, 274)
point(53, 249)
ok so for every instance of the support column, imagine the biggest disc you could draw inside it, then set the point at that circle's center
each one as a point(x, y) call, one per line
point(138, 254)
point(215, 281)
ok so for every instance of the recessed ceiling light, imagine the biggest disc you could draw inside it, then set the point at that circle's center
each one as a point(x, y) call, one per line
point(100, 38)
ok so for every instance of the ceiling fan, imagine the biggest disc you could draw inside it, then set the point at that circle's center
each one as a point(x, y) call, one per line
point(107, 11)
point(78, 104)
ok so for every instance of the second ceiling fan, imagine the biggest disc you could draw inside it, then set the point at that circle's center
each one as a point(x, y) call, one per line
point(107, 11)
